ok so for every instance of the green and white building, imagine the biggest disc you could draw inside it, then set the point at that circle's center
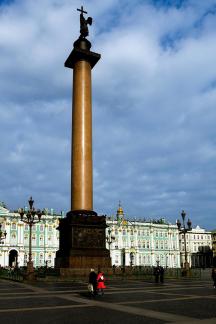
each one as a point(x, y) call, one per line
point(15, 248)
point(131, 243)
point(142, 243)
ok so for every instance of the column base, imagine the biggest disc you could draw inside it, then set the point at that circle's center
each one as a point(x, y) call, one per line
point(30, 267)
point(83, 241)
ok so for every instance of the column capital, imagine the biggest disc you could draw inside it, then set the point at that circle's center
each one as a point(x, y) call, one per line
point(81, 52)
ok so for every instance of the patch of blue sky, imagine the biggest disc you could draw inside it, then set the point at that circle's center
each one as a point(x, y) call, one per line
point(211, 86)
point(170, 41)
point(112, 16)
point(169, 3)
point(6, 2)
point(207, 13)
point(111, 21)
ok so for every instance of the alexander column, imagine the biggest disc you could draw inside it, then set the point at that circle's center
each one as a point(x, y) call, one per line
point(82, 232)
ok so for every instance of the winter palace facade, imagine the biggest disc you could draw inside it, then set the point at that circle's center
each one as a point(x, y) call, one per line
point(131, 243)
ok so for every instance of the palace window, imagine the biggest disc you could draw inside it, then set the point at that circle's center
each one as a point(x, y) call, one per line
point(33, 239)
point(13, 238)
point(41, 239)
point(26, 237)
point(13, 226)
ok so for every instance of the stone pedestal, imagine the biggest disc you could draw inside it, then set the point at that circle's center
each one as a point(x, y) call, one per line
point(82, 242)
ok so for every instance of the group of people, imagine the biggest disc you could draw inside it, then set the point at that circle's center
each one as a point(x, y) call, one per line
point(159, 274)
point(96, 284)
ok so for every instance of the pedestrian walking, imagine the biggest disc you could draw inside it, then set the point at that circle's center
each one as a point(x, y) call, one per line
point(161, 274)
point(100, 283)
point(157, 273)
point(214, 277)
point(92, 284)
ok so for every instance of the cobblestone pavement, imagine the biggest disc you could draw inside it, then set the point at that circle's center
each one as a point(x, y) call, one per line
point(182, 301)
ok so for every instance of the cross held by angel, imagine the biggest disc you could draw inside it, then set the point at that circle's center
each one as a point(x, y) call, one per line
point(84, 23)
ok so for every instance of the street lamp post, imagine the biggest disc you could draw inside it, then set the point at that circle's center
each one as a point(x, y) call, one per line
point(183, 230)
point(2, 235)
point(29, 218)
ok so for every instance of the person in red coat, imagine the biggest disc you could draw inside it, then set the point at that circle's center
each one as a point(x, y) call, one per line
point(100, 282)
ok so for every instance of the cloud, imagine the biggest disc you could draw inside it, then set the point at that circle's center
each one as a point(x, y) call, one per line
point(153, 106)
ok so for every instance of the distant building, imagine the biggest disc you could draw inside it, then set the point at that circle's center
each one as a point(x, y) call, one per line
point(142, 243)
point(15, 248)
point(199, 247)
point(214, 247)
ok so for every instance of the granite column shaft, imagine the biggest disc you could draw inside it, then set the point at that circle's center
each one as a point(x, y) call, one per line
point(81, 160)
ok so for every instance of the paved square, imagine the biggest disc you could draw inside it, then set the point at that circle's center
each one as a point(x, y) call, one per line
point(125, 301)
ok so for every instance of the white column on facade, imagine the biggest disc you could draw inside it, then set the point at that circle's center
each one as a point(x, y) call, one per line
point(44, 241)
point(151, 251)
point(6, 259)
point(19, 233)
point(127, 257)
point(7, 229)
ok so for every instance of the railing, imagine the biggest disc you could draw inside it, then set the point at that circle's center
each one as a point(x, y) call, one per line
point(43, 272)
point(148, 272)
point(15, 274)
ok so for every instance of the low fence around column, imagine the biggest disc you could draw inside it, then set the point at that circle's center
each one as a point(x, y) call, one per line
point(137, 273)
point(15, 274)
point(147, 273)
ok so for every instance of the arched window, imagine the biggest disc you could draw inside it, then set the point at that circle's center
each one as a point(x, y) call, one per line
point(41, 241)
point(33, 239)
point(13, 226)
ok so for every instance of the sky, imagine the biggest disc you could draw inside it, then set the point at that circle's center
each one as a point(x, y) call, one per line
point(154, 100)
